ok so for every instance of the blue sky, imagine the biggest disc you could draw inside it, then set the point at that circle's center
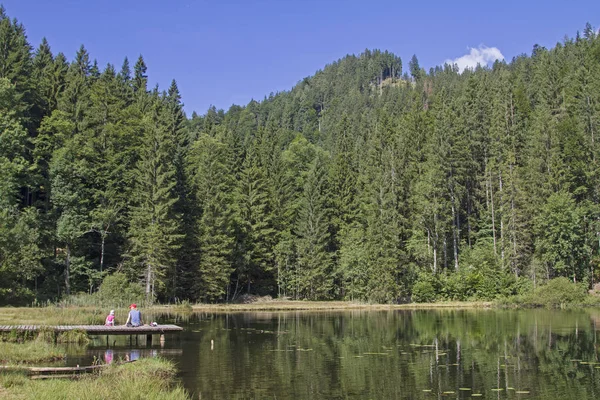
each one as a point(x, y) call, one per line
point(224, 52)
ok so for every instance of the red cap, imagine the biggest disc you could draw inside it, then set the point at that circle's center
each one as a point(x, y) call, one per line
point(133, 306)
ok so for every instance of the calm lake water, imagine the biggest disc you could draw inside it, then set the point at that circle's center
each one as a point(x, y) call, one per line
point(499, 354)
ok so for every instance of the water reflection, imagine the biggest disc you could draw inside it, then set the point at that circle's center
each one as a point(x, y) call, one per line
point(130, 355)
point(497, 354)
point(108, 356)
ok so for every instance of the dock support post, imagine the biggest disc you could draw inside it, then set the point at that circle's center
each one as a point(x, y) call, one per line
point(149, 339)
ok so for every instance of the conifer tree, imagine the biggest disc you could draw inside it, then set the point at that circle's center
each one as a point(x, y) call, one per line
point(314, 259)
point(154, 230)
point(255, 234)
point(214, 192)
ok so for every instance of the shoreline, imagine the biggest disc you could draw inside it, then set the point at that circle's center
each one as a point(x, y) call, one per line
point(293, 305)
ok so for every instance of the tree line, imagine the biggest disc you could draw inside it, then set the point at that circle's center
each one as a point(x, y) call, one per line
point(362, 182)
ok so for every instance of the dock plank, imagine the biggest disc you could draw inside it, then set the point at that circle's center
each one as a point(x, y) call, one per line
point(98, 329)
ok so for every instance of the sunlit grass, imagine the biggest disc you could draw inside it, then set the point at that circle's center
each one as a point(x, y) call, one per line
point(29, 352)
point(287, 305)
point(51, 316)
point(77, 315)
point(150, 378)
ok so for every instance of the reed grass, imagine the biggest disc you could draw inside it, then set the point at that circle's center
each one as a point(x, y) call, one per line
point(29, 353)
point(148, 378)
point(52, 316)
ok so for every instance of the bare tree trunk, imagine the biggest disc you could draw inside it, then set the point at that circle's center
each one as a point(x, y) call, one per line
point(513, 219)
point(436, 242)
point(469, 212)
point(493, 213)
point(445, 252)
point(591, 127)
point(67, 270)
point(148, 282)
point(428, 242)
point(103, 235)
point(454, 229)
point(501, 219)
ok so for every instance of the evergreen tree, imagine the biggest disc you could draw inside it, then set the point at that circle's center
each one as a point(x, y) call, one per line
point(314, 259)
point(154, 229)
point(255, 234)
point(214, 191)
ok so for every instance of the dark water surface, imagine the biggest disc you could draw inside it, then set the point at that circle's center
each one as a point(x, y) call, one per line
point(499, 354)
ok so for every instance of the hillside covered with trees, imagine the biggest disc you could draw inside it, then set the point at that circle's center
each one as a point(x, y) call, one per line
point(373, 180)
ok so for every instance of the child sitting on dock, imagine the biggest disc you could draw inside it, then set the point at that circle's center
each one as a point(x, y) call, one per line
point(135, 317)
point(110, 319)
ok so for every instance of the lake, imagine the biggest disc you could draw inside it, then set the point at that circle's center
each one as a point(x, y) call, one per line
point(396, 354)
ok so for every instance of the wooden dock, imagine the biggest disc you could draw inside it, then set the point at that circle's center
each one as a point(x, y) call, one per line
point(96, 329)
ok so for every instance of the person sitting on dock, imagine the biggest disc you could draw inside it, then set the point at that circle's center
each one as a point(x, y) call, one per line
point(135, 317)
point(110, 319)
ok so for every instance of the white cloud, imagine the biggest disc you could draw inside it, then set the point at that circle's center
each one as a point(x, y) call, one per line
point(482, 55)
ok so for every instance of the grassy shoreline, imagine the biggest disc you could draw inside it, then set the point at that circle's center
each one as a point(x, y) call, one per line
point(94, 315)
point(293, 305)
point(29, 353)
point(71, 315)
point(149, 378)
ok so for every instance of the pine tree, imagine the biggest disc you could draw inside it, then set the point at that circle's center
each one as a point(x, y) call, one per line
point(214, 192)
point(154, 230)
point(255, 234)
point(13, 146)
point(314, 259)
point(16, 63)
point(381, 184)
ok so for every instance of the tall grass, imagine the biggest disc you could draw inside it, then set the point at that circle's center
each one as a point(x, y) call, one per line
point(29, 352)
point(148, 378)
point(51, 316)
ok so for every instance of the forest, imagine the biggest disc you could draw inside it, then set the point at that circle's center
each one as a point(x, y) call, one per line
point(372, 180)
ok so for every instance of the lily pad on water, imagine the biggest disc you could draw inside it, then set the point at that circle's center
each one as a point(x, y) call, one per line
point(522, 391)
point(464, 389)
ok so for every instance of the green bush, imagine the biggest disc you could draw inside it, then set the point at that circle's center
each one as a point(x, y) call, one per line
point(558, 292)
point(117, 291)
point(425, 288)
